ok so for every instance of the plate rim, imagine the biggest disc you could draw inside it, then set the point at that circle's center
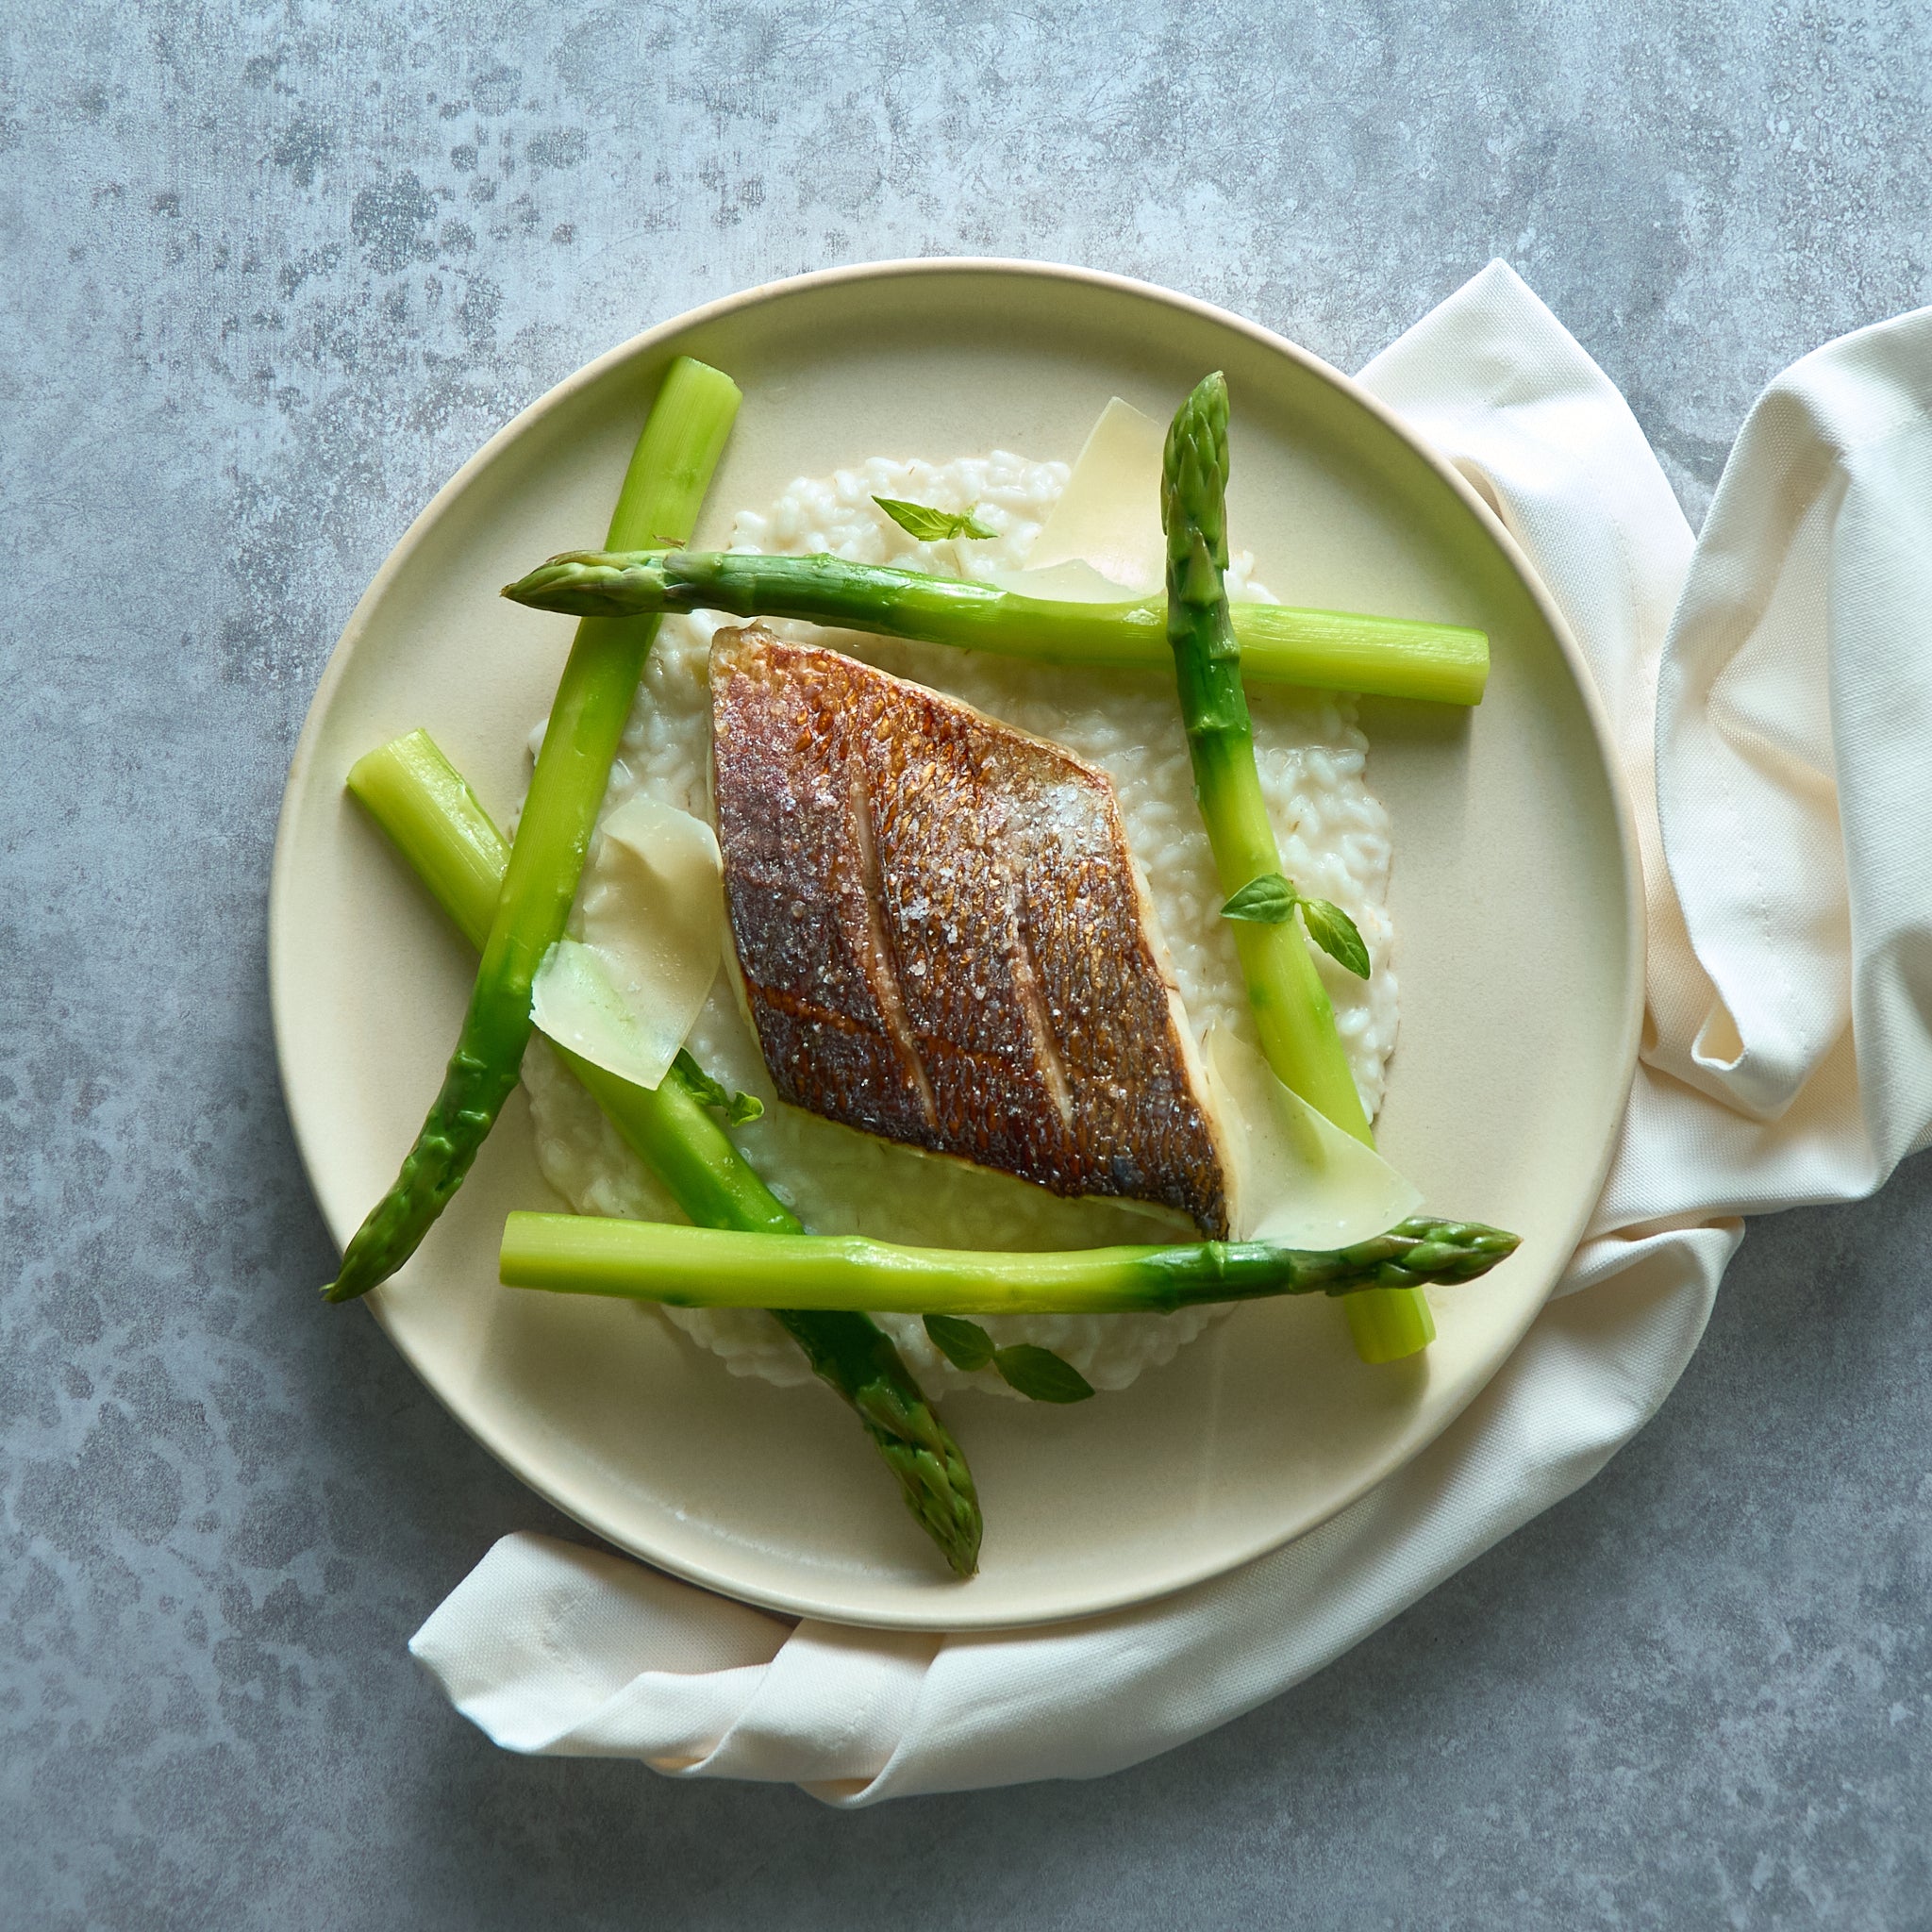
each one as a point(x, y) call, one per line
point(945, 1614)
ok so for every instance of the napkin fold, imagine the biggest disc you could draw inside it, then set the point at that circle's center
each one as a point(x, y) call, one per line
point(1769, 691)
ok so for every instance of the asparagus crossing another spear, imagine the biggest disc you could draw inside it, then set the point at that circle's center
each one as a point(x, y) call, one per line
point(1329, 650)
point(662, 493)
point(696, 1267)
point(422, 802)
point(1292, 1012)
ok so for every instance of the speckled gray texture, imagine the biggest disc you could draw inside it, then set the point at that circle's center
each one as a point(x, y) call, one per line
point(267, 274)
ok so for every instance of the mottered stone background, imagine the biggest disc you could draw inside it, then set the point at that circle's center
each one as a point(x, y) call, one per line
point(267, 274)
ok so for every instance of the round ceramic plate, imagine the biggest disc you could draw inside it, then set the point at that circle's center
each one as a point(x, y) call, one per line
point(1515, 898)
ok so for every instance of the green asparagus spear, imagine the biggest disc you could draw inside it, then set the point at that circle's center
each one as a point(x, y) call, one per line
point(418, 798)
point(662, 493)
point(696, 1267)
point(1329, 650)
point(438, 824)
point(1292, 1012)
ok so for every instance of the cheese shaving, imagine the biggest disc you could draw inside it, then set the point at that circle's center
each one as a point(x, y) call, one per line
point(624, 991)
point(1074, 582)
point(1297, 1178)
point(1108, 516)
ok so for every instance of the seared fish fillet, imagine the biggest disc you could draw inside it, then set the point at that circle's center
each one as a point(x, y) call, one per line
point(943, 937)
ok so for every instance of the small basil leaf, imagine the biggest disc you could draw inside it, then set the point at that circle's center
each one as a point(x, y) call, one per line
point(738, 1107)
point(1040, 1374)
point(1269, 900)
point(1335, 932)
point(712, 1092)
point(963, 1343)
point(931, 525)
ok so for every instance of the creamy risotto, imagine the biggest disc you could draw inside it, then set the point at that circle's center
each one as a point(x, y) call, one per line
point(1334, 838)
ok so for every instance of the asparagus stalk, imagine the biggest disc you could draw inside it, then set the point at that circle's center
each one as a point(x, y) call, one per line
point(1329, 650)
point(695, 1267)
point(422, 802)
point(1292, 1012)
point(438, 823)
point(661, 495)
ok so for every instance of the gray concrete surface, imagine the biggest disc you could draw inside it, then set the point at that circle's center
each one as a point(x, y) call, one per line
point(268, 272)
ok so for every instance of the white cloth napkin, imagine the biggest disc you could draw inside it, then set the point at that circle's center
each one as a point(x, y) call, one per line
point(1770, 686)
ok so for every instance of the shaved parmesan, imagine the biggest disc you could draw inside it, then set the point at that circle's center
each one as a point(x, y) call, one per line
point(1061, 583)
point(624, 993)
point(1109, 515)
point(1297, 1178)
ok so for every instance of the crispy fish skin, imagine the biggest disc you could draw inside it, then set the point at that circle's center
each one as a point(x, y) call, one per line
point(942, 934)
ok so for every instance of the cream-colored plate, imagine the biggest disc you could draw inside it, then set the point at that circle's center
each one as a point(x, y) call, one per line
point(1515, 898)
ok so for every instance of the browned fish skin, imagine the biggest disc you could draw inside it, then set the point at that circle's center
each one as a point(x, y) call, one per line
point(941, 935)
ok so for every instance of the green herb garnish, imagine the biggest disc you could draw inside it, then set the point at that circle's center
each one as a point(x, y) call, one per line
point(736, 1108)
point(931, 525)
point(963, 1343)
point(1040, 1374)
point(1271, 900)
point(1037, 1373)
point(1335, 932)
